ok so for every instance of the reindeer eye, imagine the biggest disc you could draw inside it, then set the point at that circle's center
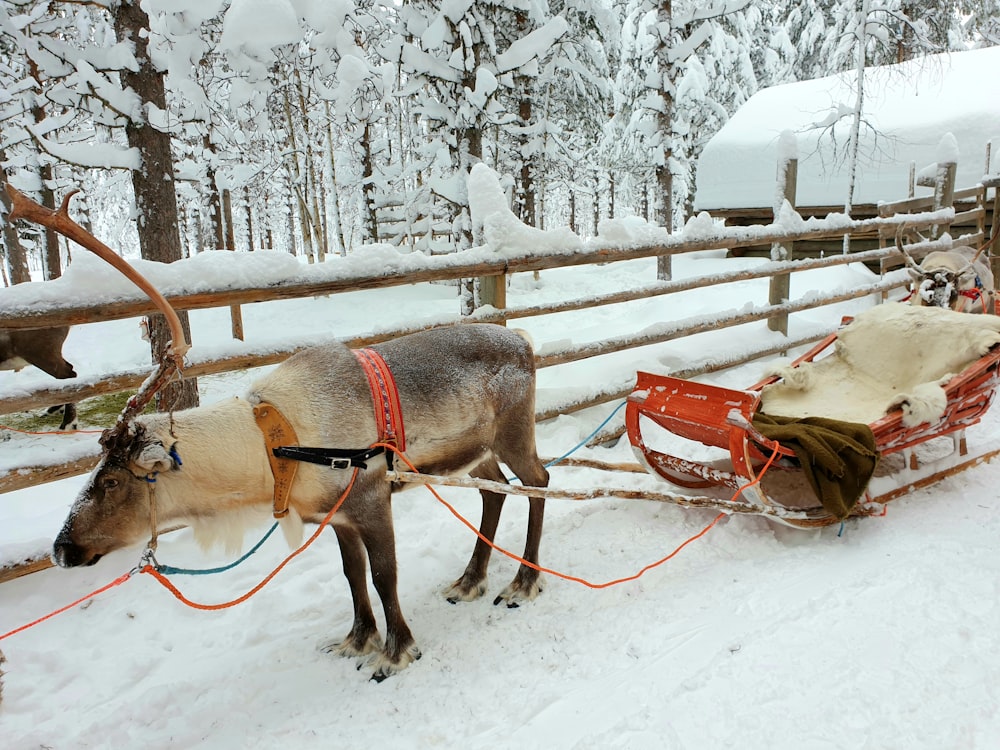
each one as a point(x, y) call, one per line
point(109, 483)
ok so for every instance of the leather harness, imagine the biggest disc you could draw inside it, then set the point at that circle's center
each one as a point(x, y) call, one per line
point(284, 453)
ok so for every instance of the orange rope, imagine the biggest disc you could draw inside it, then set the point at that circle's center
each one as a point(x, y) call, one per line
point(326, 519)
point(51, 432)
point(239, 600)
point(117, 582)
point(566, 576)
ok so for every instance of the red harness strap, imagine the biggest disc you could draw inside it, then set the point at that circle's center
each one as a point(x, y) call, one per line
point(388, 412)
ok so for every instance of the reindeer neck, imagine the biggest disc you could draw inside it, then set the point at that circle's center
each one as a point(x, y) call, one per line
point(223, 463)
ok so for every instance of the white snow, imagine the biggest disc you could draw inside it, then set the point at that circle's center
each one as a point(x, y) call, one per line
point(533, 46)
point(256, 26)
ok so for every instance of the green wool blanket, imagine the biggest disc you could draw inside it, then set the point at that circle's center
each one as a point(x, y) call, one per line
point(838, 458)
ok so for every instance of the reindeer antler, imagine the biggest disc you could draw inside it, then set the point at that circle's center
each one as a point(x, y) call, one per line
point(25, 208)
point(115, 439)
point(906, 256)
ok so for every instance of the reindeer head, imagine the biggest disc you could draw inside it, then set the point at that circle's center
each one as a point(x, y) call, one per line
point(936, 287)
point(940, 277)
point(113, 509)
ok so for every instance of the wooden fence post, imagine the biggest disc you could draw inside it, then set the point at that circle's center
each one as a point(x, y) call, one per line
point(993, 181)
point(994, 250)
point(493, 291)
point(944, 191)
point(787, 183)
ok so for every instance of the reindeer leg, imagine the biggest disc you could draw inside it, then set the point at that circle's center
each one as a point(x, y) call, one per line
point(377, 533)
point(363, 637)
point(68, 415)
point(527, 581)
point(472, 583)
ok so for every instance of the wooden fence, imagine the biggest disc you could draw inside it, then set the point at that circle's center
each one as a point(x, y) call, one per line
point(498, 268)
point(452, 267)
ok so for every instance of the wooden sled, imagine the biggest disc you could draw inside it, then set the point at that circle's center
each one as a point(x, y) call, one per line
point(722, 418)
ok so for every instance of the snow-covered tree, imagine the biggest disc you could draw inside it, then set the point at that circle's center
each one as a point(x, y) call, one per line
point(77, 86)
point(681, 71)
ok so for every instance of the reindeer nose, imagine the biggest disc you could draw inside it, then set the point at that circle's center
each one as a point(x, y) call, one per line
point(66, 554)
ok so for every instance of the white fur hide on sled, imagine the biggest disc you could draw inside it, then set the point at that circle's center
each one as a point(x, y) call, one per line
point(893, 355)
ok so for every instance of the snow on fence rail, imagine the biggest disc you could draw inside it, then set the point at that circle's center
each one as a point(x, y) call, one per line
point(33, 314)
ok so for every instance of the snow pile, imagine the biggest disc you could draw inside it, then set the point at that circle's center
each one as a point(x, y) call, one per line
point(94, 280)
point(503, 231)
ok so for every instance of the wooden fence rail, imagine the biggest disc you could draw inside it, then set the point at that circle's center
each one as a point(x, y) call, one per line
point(443, 268)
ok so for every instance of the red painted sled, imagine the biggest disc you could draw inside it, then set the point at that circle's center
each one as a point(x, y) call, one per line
point(722, 418)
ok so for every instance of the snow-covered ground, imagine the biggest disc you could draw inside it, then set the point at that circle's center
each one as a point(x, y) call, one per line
point(754, 636)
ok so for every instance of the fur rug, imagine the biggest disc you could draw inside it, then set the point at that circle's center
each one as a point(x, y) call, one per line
point(891, 356)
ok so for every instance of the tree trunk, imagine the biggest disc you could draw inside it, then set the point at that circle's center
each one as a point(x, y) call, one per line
point(369, 215)
point(249, 214)
point(527, 211)
point(297, 183)
point(861, 34)
point(290, 213)
point(337, 223)
point(611, 194)
point(51, 265)
point(664, 206)
point(227, 212)
point(155, 199)
point(572, 204)
point(214, 199)
point(904, 40)
point(17, 261)
point(597, 201)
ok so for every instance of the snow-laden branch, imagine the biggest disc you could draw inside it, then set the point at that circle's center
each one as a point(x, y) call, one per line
point(88, 155)
point(714, 10)
point(689, 46)
point(532, 46)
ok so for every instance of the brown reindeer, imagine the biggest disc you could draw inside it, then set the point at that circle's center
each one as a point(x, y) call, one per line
point(41, 347)
point(467, 399)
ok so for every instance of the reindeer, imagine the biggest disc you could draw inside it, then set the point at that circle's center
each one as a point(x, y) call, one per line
point(41, 347)
point(466, 394)
point(467, 398)
point(951, 279)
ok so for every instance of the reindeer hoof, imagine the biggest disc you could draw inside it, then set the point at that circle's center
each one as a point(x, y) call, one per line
point(386, 666)
point(521, 589)
point(463, 590)
point(353, 646)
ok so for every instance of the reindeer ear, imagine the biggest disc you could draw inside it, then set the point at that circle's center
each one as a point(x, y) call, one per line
point(153, 456)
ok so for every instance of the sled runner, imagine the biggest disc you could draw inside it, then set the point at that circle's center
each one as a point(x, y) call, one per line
point(917, 377)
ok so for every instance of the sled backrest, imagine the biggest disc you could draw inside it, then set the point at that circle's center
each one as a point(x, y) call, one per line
point(708, 414)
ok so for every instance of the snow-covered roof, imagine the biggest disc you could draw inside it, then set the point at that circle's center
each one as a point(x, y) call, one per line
point(910, 108)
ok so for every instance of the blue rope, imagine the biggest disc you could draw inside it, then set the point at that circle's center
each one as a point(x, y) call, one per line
point(170, 570)
point(583, 442)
